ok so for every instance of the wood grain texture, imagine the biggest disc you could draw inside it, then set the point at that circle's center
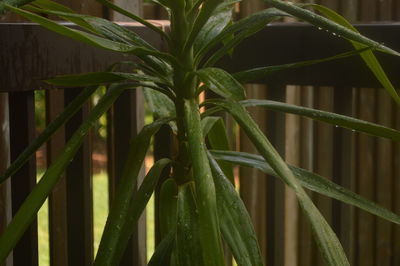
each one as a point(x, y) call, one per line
point(79, 191)
point(5, 187)
point(384, 180)
point(305, 246)
point(58, 235)
point(22, 132)
point(323, 156)
point(343, 171)
point(253, 183)
point(366, 168)
point(292, 152)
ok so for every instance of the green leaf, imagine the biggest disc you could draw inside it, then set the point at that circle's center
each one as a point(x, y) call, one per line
point(311, 181)
point(328, 117)
point(168, 206)
point(51, 5)
point(137, 205)
point(218, 139)
point(161, 105)
point(16, 3)
point(68, 112)
point(163, 251)
point(326, 239)
point(222, 83)
point(29, 208)
point(236, 224)
point(134, 17)
point(188, 247)
point(327, 24)
point(205, 190)
point(368, 57)
point(207, 123)
point(89, 38)
point(52, 8)
point(121, 209)
point(261, 72)
point(222, 15)
point(241, 30)
point(96, 78)
point(206, 10)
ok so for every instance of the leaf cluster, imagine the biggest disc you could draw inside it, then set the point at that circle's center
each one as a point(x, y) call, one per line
point(200, 207)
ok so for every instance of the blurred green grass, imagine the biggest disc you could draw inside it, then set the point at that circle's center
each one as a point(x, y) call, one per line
point(100, 211)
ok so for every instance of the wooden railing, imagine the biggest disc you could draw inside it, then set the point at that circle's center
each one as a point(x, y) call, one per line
point(368, 166)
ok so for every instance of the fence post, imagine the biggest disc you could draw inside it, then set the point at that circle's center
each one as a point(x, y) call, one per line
point(22, 132)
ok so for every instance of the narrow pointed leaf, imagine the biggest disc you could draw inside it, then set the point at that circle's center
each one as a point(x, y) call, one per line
point(222, 15)
point(236, 224)
point(218, 139)
point(262, 72)
point(96, 78)
point(167, 206)
point(115, 239)
point(85, 37)
point(163, 251)
point(206, 11)
point(29, 208)
point(207, 123)
point(328, 117)
point(222, 83)
point(188, 247)
point(327, 24)
point(133, 17)
point(15, 3)
point(326, 239)
point(311, 181)
point(368, 57)
point(161, 105)
point(121, 207)
point(244, 27)
point(68, 112)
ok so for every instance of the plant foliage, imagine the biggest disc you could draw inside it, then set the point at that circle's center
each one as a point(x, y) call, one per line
point(201, 209)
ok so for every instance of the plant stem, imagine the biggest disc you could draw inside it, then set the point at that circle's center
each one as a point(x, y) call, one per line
point(205, 190)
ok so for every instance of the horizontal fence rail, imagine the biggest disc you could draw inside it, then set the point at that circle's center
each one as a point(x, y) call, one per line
point(29, 53)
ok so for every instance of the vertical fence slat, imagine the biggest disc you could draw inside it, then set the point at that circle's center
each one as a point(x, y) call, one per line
point(292, 135)
point(126, 119)
point(22, 132)
point(343, 172)
point(79, 192)
point(395, 191)
point(365, 181)
point(253, 183)
point(58, 235)
point(383, 179)
point(275, 131)
point(5, 187)
point(306, 162)
point(323, 157)
point(366, 168)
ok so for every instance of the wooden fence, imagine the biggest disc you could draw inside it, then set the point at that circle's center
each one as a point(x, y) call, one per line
point(361, 163)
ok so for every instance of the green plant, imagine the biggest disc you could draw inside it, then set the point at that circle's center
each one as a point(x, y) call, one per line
point(200, 207)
